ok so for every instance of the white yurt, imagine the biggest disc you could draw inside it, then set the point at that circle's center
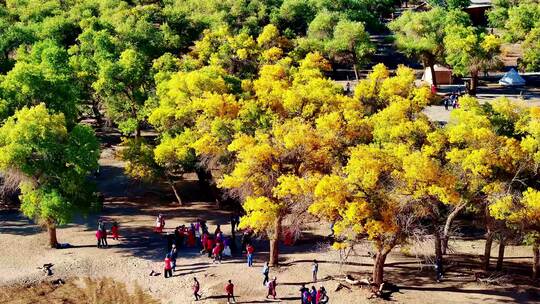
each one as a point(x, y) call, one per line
point(512, 78)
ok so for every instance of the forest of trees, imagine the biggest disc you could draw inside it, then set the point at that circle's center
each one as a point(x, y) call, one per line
point(239, 89)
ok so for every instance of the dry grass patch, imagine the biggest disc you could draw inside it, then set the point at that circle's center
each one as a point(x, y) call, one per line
point(91, 291)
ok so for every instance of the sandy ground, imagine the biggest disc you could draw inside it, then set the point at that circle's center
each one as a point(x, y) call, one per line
point(130, 260)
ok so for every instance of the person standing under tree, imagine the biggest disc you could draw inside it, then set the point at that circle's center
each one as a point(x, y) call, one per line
point(168, 267)
point(265, 272)
point(196, 287)
point(314, 270)
point(250, 250)
point(229, 288)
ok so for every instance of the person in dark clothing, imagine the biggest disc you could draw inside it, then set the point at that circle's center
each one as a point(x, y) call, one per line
point(265, 272)
point(196, 287)
point(314, 270)
point(103, 233)
point(170, 241)
point(439, 268)
point(217, 231)
point(174, 255)
point(204, 228)
point(177, 239)
point(303, 290)
point(313, 295)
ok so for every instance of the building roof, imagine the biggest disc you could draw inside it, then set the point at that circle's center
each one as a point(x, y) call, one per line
point(480, 3)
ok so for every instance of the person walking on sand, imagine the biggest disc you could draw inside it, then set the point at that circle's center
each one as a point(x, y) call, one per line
point(272, 288)
point(103, 235)
point(114, 231)
point(229, 289)
point(265, 272)
point(168, 267)
point(174, 256)
point(250, 250)
point(314, 270)
point(196, 287)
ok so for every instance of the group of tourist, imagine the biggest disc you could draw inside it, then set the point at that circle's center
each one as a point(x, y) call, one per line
point(451, 101)
point(215, 245)
point(101, 233)
point(313, 295)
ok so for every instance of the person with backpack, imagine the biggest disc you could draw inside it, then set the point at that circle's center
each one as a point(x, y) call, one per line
point(229, 289)
point(272, 288)
point(265, 272)
point(196, 287)
point(168, 267)
point(250, 250)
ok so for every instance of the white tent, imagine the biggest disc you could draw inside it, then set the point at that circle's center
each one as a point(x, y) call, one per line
point(512, 78)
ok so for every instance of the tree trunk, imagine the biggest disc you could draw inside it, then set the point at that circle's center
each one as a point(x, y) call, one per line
point(51, 229)
point(378, 268)
point(536, 260)
point(176, 194)
point(97, 114)
point(438, 245)
point(138, 131)
point(274, 242)
point(355, 68)
point(500, 257)
point(448, 225)
point(487, 249)
point(474, 83)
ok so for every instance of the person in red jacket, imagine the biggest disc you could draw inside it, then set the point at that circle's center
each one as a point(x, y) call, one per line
point(250, 250)
point(98, 237)
point(229, 288)
point(216, 252)
point(168, 267)
point(114, 230)
point(210, 242)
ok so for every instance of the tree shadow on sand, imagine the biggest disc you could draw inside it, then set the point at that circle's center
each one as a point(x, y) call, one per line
point(14, 222)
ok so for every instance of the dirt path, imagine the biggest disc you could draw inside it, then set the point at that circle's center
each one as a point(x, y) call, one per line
point(139, 251)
